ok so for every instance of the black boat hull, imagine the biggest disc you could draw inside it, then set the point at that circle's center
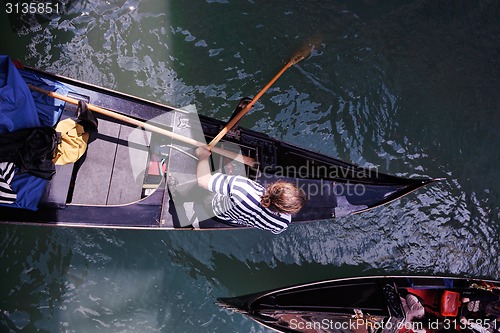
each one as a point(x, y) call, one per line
point(333, 186)
point(376, 304)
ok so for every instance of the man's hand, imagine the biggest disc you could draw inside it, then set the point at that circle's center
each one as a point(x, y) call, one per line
point(203, 152)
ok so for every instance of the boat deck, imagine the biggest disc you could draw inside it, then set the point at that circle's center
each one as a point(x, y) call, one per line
point(109, 173)
point(105, 176)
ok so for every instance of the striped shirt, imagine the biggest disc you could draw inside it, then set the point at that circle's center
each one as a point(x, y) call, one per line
point(7, 195)
point(237, 199)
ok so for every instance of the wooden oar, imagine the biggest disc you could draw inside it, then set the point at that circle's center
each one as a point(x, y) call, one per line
point(302, 54)
point(148, 127)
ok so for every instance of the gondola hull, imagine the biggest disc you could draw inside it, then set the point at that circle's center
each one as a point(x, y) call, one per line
point(104, 190)
point(376, 304)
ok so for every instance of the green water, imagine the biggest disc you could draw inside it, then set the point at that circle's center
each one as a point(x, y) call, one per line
point(410, 87)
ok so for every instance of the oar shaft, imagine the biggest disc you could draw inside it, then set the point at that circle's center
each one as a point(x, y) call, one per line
point(295, 59)
point(245, 159)
point(247, 108)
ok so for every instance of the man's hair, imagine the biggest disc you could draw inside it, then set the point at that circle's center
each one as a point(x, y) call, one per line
point(283, 197)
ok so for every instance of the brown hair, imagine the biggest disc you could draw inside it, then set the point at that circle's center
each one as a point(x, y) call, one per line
point(283, 197)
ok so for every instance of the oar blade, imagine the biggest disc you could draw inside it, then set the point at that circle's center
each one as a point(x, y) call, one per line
point(306, 50)
point(301, 55)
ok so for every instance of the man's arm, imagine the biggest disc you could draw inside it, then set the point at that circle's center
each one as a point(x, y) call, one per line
point(203, 171)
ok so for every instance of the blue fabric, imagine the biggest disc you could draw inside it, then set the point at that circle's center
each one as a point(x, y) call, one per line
point(49, 109)
point(17, 108)
point(18, 111)
point(29, 190)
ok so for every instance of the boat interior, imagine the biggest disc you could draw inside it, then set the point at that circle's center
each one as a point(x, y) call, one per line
point(448, 301)
point(124, 165)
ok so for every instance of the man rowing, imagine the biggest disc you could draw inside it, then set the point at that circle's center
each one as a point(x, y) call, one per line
point(240, 200)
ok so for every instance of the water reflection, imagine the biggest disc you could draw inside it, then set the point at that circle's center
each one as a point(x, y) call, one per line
point(35, 261)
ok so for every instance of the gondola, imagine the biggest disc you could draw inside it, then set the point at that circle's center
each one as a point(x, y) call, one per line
point(130, 178)
point(376, 304)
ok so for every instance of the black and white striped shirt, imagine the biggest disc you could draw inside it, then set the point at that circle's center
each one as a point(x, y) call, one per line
point(237, 199)
point(7, 195)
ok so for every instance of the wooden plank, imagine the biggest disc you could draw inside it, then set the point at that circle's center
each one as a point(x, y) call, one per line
point(129, 166)
point(94, 175)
